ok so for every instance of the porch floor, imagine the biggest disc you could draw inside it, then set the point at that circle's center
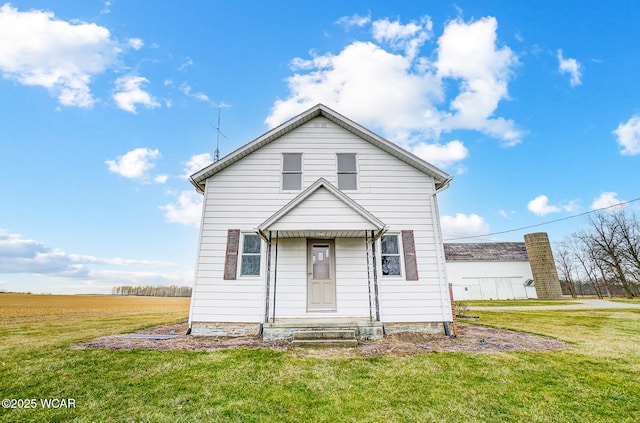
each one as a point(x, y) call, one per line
point(285, 328)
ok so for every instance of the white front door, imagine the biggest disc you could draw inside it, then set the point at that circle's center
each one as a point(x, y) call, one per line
point(321, 281)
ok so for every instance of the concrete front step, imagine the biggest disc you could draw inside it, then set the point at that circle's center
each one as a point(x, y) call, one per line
point(324, 343)
point(286, 328)
point(315, 335)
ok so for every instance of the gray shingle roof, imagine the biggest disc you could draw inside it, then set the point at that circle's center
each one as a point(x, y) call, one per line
point(486, 251)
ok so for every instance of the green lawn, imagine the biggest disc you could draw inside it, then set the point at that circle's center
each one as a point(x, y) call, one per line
point(515, 303)
point(595, 380)
point(634, 300)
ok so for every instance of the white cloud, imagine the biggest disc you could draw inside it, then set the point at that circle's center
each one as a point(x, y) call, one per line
point(462, 225)
point(608, 200)
point(39, 50)
point(570, 66)
point(186, 89)
point(409, 37)
point(571, 207)
point(388, 84)
point(629, 136)
point(107, 8)
point(135, 43)
point(506, 214)
point(186, 211)
point(540, 206)
point(439, 154)
point(467, 52)
point(354, 20)
point(160, 179)
point(135, 163)
point(196, 163)
point(20, 255)
point(366, 83)
point(186, 64)
point(129, 94)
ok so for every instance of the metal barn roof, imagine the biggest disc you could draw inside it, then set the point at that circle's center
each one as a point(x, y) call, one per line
point(486, 251)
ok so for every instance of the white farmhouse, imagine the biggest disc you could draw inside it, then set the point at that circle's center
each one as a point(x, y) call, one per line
point(320, 222)
point(489, 271)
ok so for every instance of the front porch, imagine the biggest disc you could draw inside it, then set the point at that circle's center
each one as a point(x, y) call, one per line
point(364, 329)
point(321, 262)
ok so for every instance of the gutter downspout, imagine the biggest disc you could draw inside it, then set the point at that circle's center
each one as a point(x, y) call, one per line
point(442, 264)
point(195, 270)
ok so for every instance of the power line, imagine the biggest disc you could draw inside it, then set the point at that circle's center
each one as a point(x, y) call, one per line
point(545, 223)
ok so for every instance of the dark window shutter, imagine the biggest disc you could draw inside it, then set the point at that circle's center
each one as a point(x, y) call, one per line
point(409, 248)
point(231, 257)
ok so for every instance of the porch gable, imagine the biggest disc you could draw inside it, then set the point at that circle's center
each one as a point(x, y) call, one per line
point(322, 208)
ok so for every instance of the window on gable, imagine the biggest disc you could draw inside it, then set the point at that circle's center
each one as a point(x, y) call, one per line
point(390, 251)
point(250, 263)
point(291, 171)
point(347, 171)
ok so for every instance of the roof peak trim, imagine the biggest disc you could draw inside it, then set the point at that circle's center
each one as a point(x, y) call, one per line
point(442, 178)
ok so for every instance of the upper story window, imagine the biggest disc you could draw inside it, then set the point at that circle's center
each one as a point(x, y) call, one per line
point(347, 171)
point(291, 171)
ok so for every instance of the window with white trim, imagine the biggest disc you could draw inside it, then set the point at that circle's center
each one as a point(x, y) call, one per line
point(250, 261)
point(347, 171)
point(291, 171)
point(390, 252)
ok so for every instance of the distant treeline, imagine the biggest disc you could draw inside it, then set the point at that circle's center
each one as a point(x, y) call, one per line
point(153, 291)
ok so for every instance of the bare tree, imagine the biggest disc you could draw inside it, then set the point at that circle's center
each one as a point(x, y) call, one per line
point(153, 291)
point(578, 243)
point(607, 245)
point(566, 266)
point(630, 237)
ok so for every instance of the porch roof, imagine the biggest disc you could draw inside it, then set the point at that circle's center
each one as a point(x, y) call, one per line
point(322, 211)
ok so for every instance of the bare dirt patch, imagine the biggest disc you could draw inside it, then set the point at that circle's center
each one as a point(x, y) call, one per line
point(471, 338)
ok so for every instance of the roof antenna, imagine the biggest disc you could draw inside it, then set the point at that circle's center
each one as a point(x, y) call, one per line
point(216, 156)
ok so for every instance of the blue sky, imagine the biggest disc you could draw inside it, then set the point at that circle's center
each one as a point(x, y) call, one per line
point(533, 107)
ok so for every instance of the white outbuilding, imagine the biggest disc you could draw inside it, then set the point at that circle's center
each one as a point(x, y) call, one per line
point(489, 271)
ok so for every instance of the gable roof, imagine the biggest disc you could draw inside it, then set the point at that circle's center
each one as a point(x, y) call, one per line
point(442, 179)
point(486, 251)
point(360, 218)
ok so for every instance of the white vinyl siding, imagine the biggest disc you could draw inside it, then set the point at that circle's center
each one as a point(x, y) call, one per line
point(247, 193)
point(334, 215)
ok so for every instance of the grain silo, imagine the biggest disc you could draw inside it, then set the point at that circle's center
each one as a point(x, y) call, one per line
point(543, 266)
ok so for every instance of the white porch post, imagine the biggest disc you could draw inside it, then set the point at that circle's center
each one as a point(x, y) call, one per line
point(366, 249)
point(275, 278)
point(375, 275)
point(268, 282)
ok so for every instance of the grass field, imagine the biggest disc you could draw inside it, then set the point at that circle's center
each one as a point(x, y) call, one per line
point(595, 380)
point(515, 303)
